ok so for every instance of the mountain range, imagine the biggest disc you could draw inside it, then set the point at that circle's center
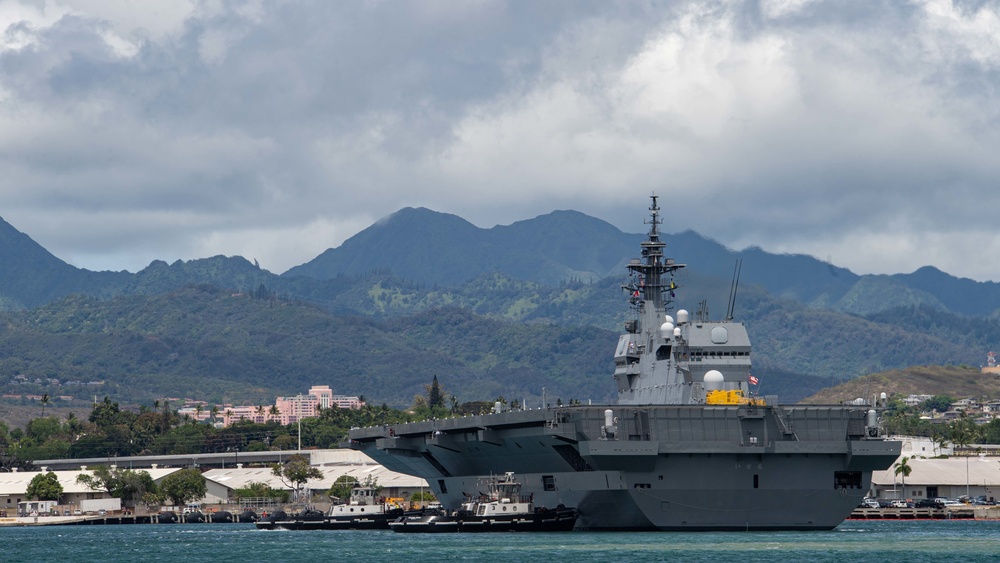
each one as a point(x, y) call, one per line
point(225, 328)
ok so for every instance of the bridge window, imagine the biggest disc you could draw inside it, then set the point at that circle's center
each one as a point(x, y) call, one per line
point(663, 352)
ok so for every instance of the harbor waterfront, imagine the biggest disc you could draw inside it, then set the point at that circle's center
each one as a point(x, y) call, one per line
point(860, 541)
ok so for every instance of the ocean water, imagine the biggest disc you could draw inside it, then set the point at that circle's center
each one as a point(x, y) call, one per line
point(853, 541)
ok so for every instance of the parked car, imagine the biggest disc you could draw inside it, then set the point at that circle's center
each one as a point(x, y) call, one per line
point(928, 503)
point(899, 504)
point(949, 503)
point(868, 503)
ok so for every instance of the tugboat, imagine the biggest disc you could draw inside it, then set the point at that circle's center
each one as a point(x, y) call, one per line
point(687, 446)
point(364, 511)
point(503, 509)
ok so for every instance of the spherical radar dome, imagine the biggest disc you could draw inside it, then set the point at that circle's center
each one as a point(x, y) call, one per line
point(666, 330)
point(714, 380)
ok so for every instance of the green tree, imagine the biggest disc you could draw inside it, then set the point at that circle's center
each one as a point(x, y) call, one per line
point(45, 486)
point(283, 442)
point(902, 468)
point(371, 482)
point(260, 490)
point(42, 429)
point(434, 395)
point(964, 431)
point(4, 437)
point(342, 487)
point(126, 484)
point(939, 403)
point(183, 486)
point(107, 414)
point(296, 472)
point(425, 496)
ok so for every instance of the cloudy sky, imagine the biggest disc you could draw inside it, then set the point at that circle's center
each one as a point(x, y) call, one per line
point(865, 133)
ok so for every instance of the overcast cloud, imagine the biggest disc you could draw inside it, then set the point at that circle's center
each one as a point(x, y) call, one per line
point(865, 133)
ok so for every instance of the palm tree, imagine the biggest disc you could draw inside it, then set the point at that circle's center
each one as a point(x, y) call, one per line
point(45, 401)
point(904, 469)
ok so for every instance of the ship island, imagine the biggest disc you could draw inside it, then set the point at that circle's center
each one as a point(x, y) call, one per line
point(687, 446)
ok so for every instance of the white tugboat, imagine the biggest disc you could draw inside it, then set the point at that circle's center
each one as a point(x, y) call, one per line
point(502, 509)
point(365, 510)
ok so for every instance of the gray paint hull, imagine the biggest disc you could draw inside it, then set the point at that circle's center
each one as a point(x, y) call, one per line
point(673, 467)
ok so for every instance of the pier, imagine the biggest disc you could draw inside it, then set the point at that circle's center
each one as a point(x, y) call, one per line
point(963, 513)
point(221, 517)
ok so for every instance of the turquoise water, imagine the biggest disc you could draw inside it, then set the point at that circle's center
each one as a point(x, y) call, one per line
point(854, 541)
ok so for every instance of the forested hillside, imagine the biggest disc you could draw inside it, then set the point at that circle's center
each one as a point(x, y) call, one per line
point(224, 346)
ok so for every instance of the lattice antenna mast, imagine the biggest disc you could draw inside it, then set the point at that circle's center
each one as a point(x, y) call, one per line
point(651, 278)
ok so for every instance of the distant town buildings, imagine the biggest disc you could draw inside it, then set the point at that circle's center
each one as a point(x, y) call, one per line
point(285, 410)
point(981, 412)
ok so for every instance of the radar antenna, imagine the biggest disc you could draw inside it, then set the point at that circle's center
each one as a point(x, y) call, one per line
point(737, 269)
point(651, 278)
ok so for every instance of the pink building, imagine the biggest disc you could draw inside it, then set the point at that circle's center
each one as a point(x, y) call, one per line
point(294, 409)
point(290, 409)
point(253, 413)
point(326, 399)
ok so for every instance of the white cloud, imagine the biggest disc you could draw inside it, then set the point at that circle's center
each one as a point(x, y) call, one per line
point(180, 129)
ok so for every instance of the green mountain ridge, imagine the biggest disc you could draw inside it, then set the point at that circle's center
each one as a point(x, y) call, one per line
point(219, 346)
point(223, 328)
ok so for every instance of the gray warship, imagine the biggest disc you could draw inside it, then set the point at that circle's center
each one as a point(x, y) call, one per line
point(687, 446)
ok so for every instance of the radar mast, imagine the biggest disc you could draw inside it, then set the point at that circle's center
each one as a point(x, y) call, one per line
point(651, 278)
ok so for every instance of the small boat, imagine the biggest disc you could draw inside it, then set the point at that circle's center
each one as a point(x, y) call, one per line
point(364, 511)
point(503, 509)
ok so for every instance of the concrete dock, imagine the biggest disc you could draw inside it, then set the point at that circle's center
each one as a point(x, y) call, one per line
point(106, 519)
point(957, 513)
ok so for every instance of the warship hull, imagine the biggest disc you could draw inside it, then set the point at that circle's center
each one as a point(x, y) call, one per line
point(668, 467)
point(688, 446)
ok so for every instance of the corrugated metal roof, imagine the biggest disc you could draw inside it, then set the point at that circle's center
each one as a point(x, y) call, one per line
point(241, 477)
point(333, 464)
point(17, 483)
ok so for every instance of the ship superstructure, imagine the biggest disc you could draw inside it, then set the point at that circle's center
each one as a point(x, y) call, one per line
point(687, 446)
point(663, 361)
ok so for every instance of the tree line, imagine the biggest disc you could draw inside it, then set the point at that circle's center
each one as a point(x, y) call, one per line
point(112, 431)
